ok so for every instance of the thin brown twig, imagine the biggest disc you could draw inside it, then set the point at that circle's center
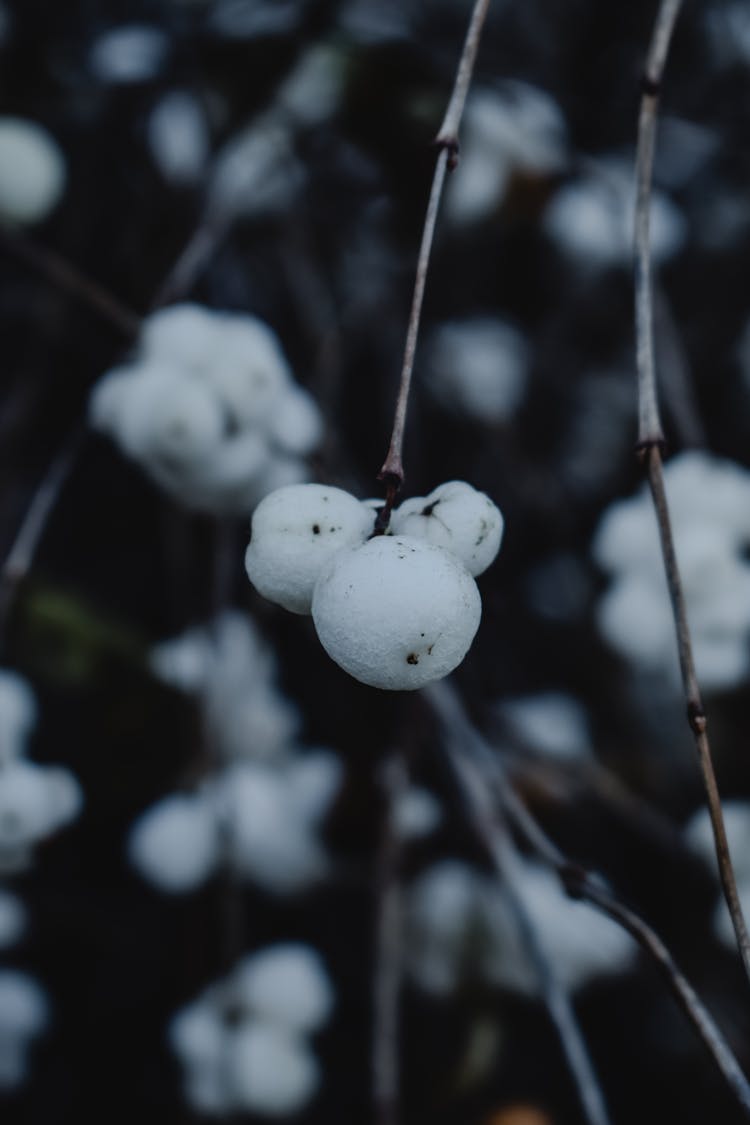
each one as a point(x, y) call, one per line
point(388, 951)
point(392, 470)
point(650, 444)
point(482, 778)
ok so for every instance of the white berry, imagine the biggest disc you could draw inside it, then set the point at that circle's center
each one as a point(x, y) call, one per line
point(396, 612)
point(294, 533)
point(457, 517)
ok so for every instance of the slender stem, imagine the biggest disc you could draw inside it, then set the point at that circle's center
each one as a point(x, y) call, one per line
point(650, 443)
point(20, 557)
point(460, 746)
point(695, 710)
point(67, 277)
point(392, 471)
point(556, 998)
point(681, 988)
point(191, 262)
point(649, 422)
point(388, 952)
point(471, 757)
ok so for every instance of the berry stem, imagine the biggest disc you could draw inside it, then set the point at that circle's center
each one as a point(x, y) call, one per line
point(650, 446)
point(392, 470)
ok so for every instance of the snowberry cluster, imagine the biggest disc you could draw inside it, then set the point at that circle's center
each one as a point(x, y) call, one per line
point(395, 611)
point(35, 800)
point(244, 1043)
point(208, 406)
point(261, 810)
point(461, 929)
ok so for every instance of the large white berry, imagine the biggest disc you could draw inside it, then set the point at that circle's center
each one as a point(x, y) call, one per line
point(396, 612)
point(457, 517)
point(294, 533)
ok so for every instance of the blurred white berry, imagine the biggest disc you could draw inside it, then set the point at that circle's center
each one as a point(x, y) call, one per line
point(478, 366)
point(32, 171)
point(396, 612)
point(591, 218)
point(294, 533)
point(286, 985)
point(12, 919)
point(457, 517)
point(175, 844)
point(273, 816)
point(243, 1043)
point(517, 128)
point(551, 724)
point(462, 928)
point(700, 839)
point(24, 1014)
point(35, 801)
point(198, 1036)
point(417, 813)
point(128, 54)
point(710, 507)
point(17, 714)
point(178, 137)
point(272, 1071)
point(208, 407)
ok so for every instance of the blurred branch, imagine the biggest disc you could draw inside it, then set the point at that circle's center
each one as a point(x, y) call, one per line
point(392, 470)
point(23, 550)
point(459, 746)
point(63, 275)
point(388, 950)
point(483, 781)
point(650, 444)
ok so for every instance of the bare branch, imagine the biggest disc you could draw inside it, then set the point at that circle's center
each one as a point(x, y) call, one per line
point(482, 777)
point(650, 442)
point(392, 471)
point(62, 274)
point(483, 814)
point(649, 422)
point(21, 555)
point(388, 952)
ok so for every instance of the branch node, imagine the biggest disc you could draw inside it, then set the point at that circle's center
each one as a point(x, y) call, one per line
point(393, 482)
point(449, 142)
point(650, 86)
point(696, 717)
point(645, 445)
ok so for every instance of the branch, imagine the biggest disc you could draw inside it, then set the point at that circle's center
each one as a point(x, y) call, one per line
point(650, 443)
point(482, 778)
point(20, 557)
point(392, 470)
point(61, 273)
point(460, 747)
point(388, 951)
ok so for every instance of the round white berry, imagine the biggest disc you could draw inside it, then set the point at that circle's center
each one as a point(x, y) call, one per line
point(294, 533)
point(456, 517)
point(396, 612)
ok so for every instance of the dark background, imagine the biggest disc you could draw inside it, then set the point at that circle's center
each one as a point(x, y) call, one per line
point(120, 566)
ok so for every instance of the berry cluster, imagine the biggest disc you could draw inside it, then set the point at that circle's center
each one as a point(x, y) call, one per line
point(396, 610)
point(208, 406)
